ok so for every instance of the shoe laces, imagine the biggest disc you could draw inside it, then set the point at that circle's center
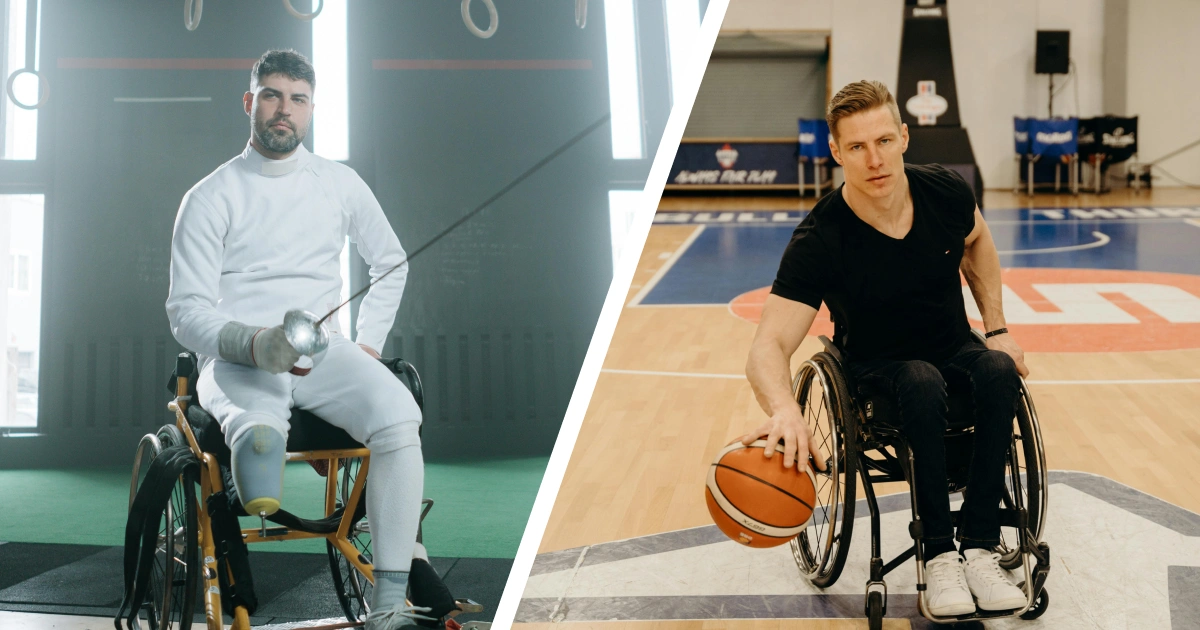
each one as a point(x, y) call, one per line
point(947, 572)
point(397, 616)
point(987, 568)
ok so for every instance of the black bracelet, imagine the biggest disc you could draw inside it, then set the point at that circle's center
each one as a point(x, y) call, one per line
point(998, 331)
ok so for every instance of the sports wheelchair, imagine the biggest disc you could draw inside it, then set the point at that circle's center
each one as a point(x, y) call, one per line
point(851, 426)
point(172, 528)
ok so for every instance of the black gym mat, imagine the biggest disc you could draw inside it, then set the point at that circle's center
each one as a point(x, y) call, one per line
point(87, 580)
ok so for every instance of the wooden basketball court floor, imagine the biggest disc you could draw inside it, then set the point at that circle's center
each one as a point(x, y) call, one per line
point(1106, 302)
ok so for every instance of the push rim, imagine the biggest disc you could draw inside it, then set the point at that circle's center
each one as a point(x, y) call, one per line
point(818, 550)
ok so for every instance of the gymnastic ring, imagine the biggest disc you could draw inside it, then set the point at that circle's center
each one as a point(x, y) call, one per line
point(287, 4)
point(492, 16)
point(581, 13)
point(44, 92)
point(192, 10)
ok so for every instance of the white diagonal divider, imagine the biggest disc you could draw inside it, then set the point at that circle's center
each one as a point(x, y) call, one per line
point(607, 323)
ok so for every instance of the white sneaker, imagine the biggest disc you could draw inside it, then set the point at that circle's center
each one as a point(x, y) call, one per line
point(947, 594)
point(989, 583)
point(398, 617)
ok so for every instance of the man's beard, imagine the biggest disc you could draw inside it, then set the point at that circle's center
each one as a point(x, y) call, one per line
point(276, 140)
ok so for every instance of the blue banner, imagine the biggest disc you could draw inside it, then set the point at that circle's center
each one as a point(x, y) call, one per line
point(1053, 137)
point(735, 164)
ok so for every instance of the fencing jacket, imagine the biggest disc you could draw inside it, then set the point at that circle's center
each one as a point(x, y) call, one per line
point(259, 237)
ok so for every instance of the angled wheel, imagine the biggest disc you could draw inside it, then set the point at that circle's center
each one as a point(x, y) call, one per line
point(352, 587)
point(820, 550)
point(148, 448)
point(171, 600)
point(1025, 482)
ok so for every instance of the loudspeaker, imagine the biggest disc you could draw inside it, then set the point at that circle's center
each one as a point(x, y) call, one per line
point(1053, 52)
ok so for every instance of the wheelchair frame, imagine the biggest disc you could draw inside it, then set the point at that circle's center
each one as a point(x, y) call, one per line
point(210, 480)
point(848, 420)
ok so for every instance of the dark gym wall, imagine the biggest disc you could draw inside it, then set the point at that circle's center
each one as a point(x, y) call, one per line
point(496, 316)
point(758, 84)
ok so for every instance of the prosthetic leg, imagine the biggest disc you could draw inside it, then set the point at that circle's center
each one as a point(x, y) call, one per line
point(259, 454)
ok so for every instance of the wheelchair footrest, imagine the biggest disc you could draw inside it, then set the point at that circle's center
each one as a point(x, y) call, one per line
point(333, 623)
point(467, 606)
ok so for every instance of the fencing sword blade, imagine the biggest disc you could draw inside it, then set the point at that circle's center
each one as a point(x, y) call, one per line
point(487, 202)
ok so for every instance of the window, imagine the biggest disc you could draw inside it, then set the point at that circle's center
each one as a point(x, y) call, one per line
point(331, 118)
point(18, 272)
point(18, 127)
point(683, 28)
point(20, 319)
point(622, 210)
point(624, 97)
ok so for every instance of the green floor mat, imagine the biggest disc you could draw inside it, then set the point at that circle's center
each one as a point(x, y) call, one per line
point(480, 508)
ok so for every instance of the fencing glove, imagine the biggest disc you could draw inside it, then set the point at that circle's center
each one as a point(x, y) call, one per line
point(266, 348)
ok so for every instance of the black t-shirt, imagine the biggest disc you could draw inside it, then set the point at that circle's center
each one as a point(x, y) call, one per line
point(898, 299)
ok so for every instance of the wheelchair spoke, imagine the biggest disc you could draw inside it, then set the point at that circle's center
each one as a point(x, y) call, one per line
point(818, 549)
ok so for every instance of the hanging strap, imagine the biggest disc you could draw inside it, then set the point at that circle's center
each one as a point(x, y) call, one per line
point(141, 528)
point(233, 556)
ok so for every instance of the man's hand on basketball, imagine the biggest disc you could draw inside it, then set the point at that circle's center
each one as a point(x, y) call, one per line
point(789, 426)
point(1006, 344)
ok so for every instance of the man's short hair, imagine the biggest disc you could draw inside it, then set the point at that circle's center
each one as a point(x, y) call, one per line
point(859, 96)
point(287, 62)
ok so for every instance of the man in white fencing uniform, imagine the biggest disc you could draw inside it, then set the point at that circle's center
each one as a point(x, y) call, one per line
point(261, 235)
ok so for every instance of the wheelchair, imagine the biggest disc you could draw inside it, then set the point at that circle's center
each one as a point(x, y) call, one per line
point(191, 552)
point(850, 426)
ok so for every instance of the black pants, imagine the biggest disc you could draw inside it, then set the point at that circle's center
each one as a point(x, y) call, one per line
point(920, 389)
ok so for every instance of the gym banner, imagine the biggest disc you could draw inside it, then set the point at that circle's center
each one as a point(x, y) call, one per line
point(757, 163)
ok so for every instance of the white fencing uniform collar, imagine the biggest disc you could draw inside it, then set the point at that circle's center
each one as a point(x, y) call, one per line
point(263, 165)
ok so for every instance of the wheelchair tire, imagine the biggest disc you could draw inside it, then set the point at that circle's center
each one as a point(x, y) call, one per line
point(820, 550)
point(170, 435)
point(1040, 604)
point(352, 587)
point(147, 449)
point(1031, 464)
point(171, 600)
point(875, 610)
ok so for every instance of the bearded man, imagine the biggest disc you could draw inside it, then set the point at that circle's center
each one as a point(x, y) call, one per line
point(261, 235)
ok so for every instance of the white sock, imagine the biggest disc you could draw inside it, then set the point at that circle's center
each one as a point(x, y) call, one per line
point(391, 588)
point(396, 480)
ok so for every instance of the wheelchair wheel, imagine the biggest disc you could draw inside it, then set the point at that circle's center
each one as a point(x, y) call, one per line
point(1040, 604)
point(875, 610)
point(176, 570)
point(352, 587)
point(820, 550)
point(1026, 479)
point(148, 448)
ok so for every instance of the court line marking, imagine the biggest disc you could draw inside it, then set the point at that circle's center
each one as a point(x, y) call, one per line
point(1102, 239)
point(666, 266)
point(1192, 222)
point(1128, 381)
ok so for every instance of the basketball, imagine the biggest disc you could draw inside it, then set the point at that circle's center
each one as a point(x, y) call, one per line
point(756, 501)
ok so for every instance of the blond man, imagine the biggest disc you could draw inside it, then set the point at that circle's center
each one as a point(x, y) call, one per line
point(884, 252)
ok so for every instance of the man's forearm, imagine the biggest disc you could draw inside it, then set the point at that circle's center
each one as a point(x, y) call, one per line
point(769, 373)
point(981, 267)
